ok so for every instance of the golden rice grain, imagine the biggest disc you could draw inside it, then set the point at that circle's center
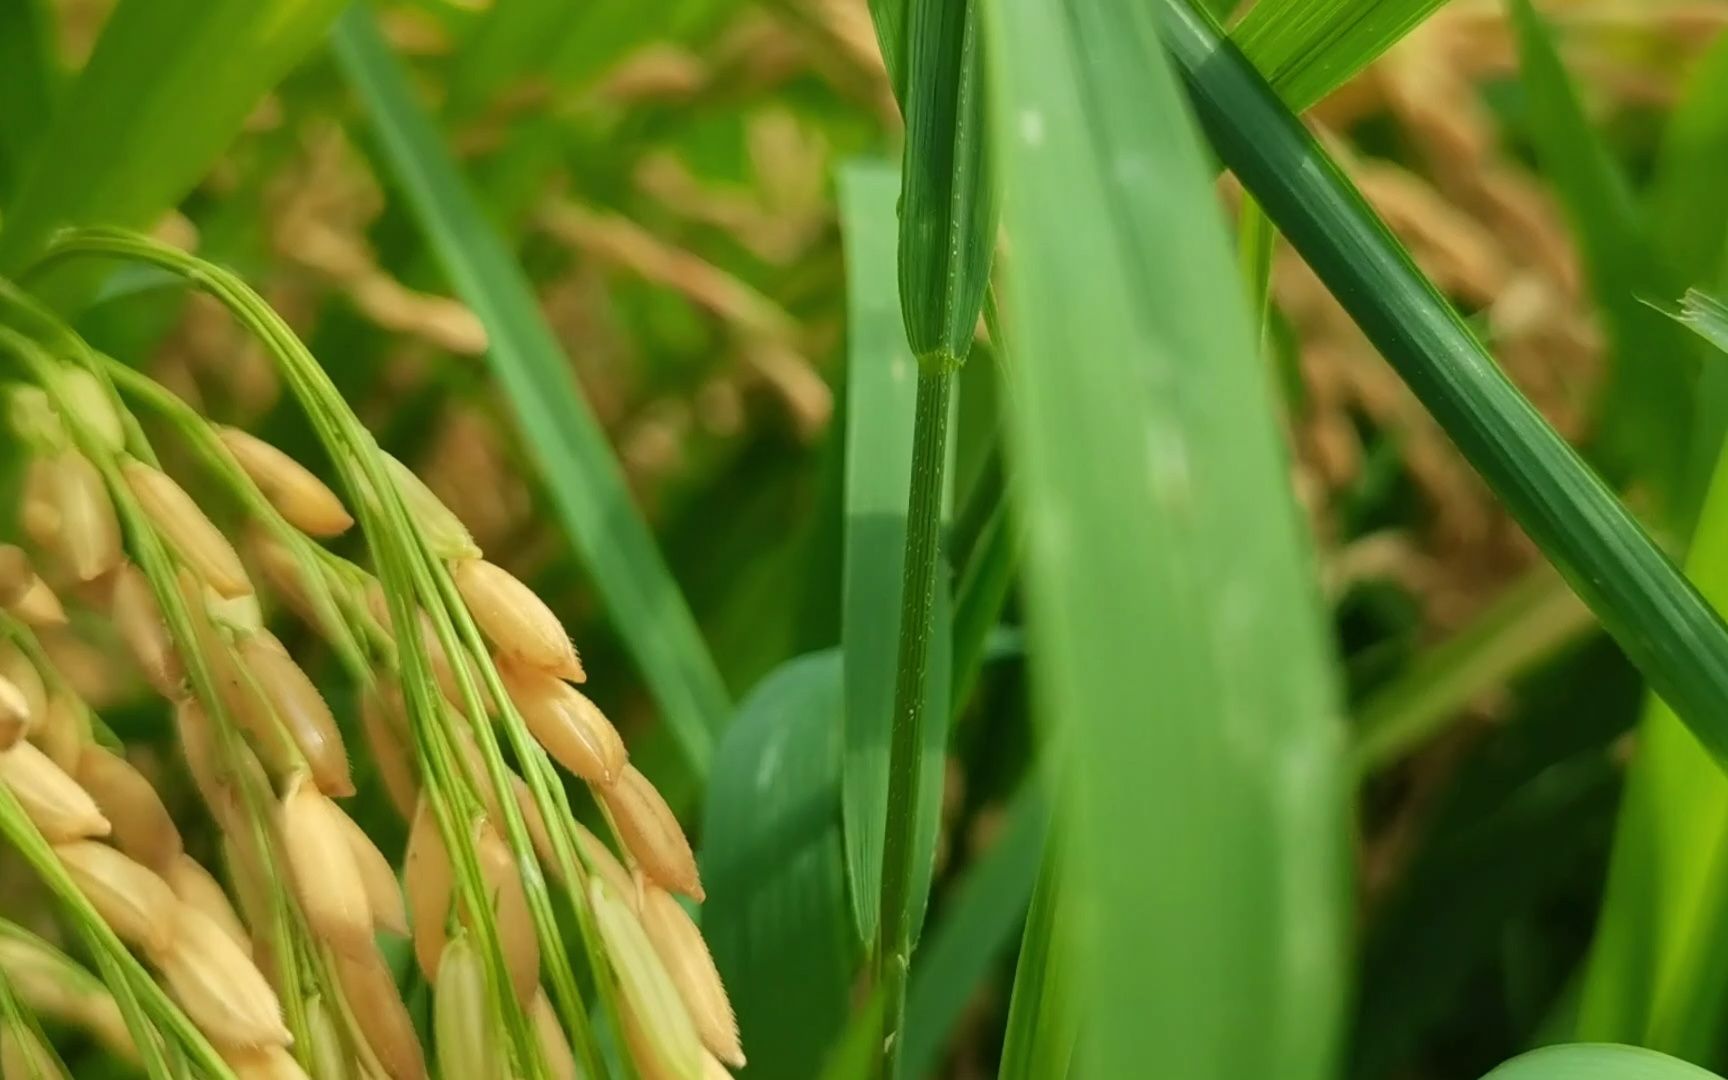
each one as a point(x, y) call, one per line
point(562, 719)
point(443, 531)
point(516, 620)
point(14, 713)
point(651, 833)
point(662, 1038)
point(385, 727)
point(282, 571)
point(371, 993)
point(197, 739)
point(463, 1026)
point(712, 1068)
point(219, 986)
point(326, 877)
point(535, 823)
point(600, 860)
point(329, 1057)
point(18, 669)
point(266, 1063)
point(383, 894)
point(89, 533)
point(142, 826)
point(427, 885)
point(63, 732)
point(199, 542)
point(130, 897)
point(39, 606)
point(510, 910)
point(296, 494)
point(52, 800)
point(549, 1034)
point(39, 512)
point(139, 622)
point(442, 669)
point(90, 401)
point(15, 574)
point(197, 888)
point(300, 709)
point(681, 948)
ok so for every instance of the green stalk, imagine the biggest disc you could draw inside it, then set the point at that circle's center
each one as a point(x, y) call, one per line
point(917, 619)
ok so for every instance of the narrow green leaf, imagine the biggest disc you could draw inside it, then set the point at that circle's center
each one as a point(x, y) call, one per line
point(1308, 48)
point(776, 917)
point(1598, 1061)
point(1689, 216)
point(978, 921)
point(948, 199)
point(881, 385)
point(1203, 814)
point(1648, 394)
point(1674, 637)
point(558, 427)
point(29, 86)
point(1705, 316)
point(168, 85)
point(1044, 1013)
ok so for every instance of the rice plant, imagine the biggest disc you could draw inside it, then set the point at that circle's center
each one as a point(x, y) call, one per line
point(862, 539)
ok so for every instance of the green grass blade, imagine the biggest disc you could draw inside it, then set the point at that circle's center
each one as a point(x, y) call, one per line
point(1705, 316)
point(558, 427)
point(1202, 813)
point(881, 379)
point(29, 86)
point(1598, 1061)
point(1308, 48)
point(1648, 392)
point(1688, 216)
point(776, 916)
point(169, 84)
point(1674, 637)
point(948, 200)
point(1044, 1013)
point(978, 921)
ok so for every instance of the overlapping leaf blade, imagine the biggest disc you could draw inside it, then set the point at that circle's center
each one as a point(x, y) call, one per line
point(1308, 48)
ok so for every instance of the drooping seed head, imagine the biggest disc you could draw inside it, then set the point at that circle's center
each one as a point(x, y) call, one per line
point(443, 531)
point(265, 1063)
point(384, 724)
point(89, 534)
point(463, 1029)
point(296, 494)
point(219, 987)
point(680, 946)
point(142, 826)
point(383, 894)
point(371, 993)
point(300, 709)
point(549, 1034)
point(426, 881)
point(130, 897)
point(88, 397)
point(510, 910)
point(516, 620)
point(139, 621)
point(562, 719)
point(662, 1037)
point(326, 878)
point(14, 713)
point(51, 799)
point(651, 833)
point(199, 542)
point(196, 888)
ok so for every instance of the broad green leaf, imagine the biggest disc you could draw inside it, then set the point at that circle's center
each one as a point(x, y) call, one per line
point(167, 87)
point(1044, 1013)
point(29, 87)
point(1658, 971)
point(948, 198)
point(1308, 48)
point(978, 921)
point(1665, 627)
point(1652, 373)
point(1202, 814)
point(1598, 1061)
point(558, 427)
point(881, 385)
point(776, 916)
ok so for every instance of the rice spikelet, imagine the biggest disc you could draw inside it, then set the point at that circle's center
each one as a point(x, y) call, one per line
point(601, 861)
point(326, 878)
point(138, 618)
point(89, 399)
point(22, 1054)
point(301, 710)
point(296, 494)
point(426, 883)
point(382, 1018)
point(39, 509)
point(52, 800)
point(142, 826)
point(385, 727)
point(463, 1028)
point(658, 1027)
point(328, 1055)
point(266, 1063)
point(562, 719)
point(651, 833)
point(197, 888)
point(130, 897)
point(89, 534)
point(383, 894)
point(62, 732)
point(18, 669)
point(549, 1033)
point(14, 713)
point(15, 574)
point(691, 966)
point(39, 606)
point(219, 986)
point(511, 915)
point(516, 620)
point(444, 532)
point(177, 516)
point(53, 986)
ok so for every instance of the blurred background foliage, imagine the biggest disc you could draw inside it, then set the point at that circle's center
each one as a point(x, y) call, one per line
point(668, 182)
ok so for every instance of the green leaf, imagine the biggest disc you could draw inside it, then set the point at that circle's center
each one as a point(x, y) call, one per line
point(1308, 48)
point(1597, 1061)
point(1689, 217)
point(948, 201)
point(1044, 1013)
point(1648, 394)
point(1707, 317)
point(167, 87)
point(881, 385)
point(979, 919)
point(558, 427)
point(1202, 814)
point(776, 917)
point(1674, 637)
point(29, 86)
